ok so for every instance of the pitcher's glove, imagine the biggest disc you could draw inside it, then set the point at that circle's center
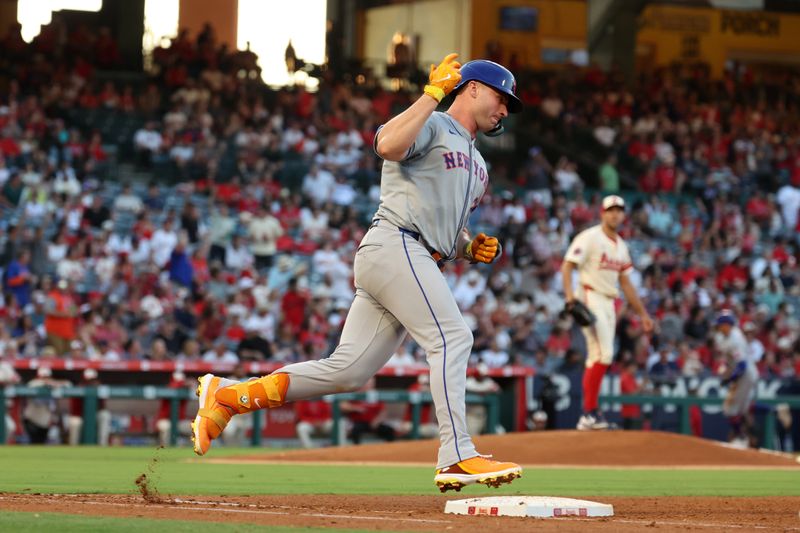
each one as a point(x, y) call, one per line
point(580, 313)
point(443, 78)
point(483, 249)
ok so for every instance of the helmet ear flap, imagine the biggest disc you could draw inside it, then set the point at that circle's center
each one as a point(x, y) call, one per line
point(497, 130)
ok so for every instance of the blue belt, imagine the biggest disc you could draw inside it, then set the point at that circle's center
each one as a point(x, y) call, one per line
point(417, 237)
point(413, 234)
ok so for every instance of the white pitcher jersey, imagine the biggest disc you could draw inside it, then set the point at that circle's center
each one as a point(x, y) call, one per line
point(600, 260)
point(433, 190)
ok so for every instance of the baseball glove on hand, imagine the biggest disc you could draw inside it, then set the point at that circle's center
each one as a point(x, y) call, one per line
point(580, 313)
point(483, 249)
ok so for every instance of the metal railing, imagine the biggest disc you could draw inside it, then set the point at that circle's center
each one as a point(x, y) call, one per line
point(92, 395)
point(685, 403)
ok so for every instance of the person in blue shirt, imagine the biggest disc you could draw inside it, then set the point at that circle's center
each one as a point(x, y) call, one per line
point(665, 370)
point(180, 266)
point(17, 279)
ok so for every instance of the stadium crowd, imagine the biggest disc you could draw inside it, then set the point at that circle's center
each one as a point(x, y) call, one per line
point(239, 244)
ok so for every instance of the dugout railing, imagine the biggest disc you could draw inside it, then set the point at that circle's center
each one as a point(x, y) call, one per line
point(685, 403)
point(92, 395)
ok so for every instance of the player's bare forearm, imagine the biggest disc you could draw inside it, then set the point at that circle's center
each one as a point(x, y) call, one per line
point(566, 278)
point(397, 135)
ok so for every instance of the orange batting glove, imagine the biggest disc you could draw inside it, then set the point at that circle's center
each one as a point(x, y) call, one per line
point(483, 249)
point(443, 78)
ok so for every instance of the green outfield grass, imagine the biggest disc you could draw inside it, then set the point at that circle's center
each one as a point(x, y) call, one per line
point(38, 522)
point(177, 471)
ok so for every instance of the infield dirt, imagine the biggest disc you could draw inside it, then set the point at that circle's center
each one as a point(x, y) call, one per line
point(425, 513)
point(558, 448)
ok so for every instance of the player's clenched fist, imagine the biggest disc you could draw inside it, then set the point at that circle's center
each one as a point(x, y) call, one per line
point(483, 249)
point(443, 78)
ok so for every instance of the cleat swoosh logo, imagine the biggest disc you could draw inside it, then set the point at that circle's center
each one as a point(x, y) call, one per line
point(258, 404)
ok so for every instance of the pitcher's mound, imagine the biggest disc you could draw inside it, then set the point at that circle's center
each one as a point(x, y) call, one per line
point(554, 448)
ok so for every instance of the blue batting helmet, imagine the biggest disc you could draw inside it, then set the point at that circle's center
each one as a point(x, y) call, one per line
point(726, 317)
point(495, 76)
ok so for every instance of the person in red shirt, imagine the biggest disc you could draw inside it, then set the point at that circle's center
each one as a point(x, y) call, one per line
point(631, 413)
point(235, 331)
point(558, 342)
point(314, 419)
point(428, 427)
point(666, 176)
point(734, 275)
point(61, 317)
point(695, 416)
point(228, 192)
point(293, 306)
point(368, 417)
point(163, 420)
point(75, 420)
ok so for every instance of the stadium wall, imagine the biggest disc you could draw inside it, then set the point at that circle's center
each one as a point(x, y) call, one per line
point(670, 34)
point(437, 27)
point(223, 15)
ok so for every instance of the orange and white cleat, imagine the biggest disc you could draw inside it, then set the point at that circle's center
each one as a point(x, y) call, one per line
point(481, 469)
point(220, 399)
point(212, 416)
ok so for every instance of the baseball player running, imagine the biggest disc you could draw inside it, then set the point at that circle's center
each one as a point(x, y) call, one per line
point(739, 374)
point(602, 260)
point(433, 177)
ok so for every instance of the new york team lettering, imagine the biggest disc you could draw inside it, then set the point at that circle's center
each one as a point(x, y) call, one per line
point(453, 160)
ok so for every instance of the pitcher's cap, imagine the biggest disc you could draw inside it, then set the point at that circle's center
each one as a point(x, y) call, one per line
point(613, 201)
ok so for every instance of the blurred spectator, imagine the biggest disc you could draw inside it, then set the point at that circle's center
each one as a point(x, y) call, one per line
point(314, 419)
point(477, 414)
point(147, 142)
point(61, 319)
point(566, 176)
point(163, 417)
point(368, 417)
point(127, 201)
point(318, 185)
point(628, 384)
point(8, 376)
point(39, 414)
point(220, 354)
point(18, 279)
point(428, 427)
point(97, 213)
point(253, 347)
point(538, 421)
point(76, 413)
point(664, 371)
point(264, 230)
point(221, 230)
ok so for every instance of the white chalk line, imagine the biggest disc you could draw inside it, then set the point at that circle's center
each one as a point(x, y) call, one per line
point(215, 506)
point(701, 524)
point(257, 511)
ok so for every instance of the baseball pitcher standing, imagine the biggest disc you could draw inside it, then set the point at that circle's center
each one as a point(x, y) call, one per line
point(433, 177)
point(603, 262)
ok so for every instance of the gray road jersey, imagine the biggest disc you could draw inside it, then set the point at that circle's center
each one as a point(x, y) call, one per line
point(435, 188)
